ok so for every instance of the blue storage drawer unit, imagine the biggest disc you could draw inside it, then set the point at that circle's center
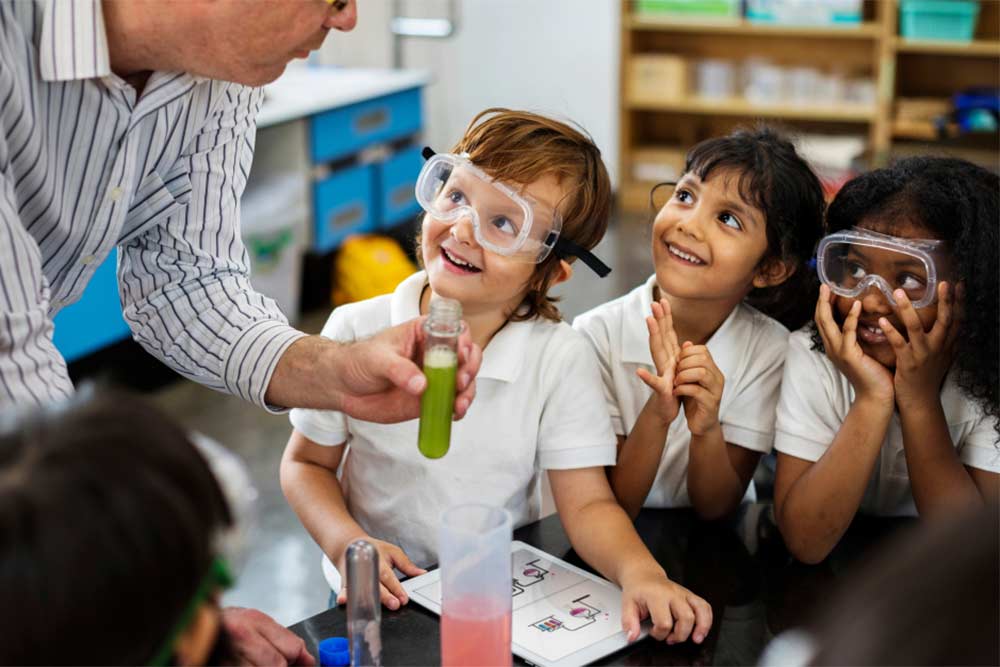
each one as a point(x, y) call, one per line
point(344, 204)
point(340, 132)
point(397, 180)
point(94, 321)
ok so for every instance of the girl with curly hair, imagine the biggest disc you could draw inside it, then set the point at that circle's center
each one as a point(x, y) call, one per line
point(889, 399)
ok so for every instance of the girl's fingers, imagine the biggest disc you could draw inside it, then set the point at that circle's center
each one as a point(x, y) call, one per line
point(850, 337)
point(656, 383)
point(691, 376)
point(895, 338)
point(908, 314)
point(667, 327)
point(697, 392)
point(943, 322)
point(656, 349)
point(827, 327)
point(391, 588)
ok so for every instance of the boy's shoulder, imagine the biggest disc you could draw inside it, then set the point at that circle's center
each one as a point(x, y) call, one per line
point(360, 319)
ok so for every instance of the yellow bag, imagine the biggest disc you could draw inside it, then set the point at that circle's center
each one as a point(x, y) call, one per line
point(367, 266)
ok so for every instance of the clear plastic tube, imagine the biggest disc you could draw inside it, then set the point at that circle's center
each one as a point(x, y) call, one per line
point(364, 606)
point(443, 326)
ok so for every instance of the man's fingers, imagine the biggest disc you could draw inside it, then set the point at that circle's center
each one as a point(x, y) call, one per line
point(464, 401)
point(404, 374)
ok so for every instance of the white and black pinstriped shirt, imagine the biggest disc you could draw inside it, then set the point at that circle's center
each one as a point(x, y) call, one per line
point(85, 166)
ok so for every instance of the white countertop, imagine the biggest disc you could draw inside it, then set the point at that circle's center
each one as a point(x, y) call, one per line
point(302, 91)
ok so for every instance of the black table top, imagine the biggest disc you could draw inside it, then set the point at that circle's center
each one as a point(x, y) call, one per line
point(740, 566)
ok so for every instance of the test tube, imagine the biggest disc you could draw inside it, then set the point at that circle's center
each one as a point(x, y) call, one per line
point(443, 325)
point(364, 606)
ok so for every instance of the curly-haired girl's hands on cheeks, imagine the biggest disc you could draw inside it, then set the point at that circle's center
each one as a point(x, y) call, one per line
point(870, 379)
point(922, 358)
point(664, 348)
point(389, 557)
point(700, 382)
point(676, 612)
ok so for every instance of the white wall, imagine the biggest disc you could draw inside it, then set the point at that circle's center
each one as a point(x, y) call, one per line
point(558, 57)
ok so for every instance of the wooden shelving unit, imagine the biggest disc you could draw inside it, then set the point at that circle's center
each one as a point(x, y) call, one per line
point(899, 68)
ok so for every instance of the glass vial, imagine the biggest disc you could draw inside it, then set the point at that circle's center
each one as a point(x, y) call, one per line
point(443, 325)
point(364, 605)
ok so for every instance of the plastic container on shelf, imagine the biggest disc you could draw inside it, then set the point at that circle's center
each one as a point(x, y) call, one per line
point(715, 78)
point(952, 20)
point(764, 82)
point(805, 12)
point(693, 9)
point(273, 218)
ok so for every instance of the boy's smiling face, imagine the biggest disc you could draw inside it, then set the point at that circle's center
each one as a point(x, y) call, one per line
point(483, 281)
point(708, 241)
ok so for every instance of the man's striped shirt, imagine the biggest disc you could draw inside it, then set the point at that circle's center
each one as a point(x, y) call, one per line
point(85, 166)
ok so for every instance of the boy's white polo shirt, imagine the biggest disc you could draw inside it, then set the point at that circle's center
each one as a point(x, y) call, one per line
point(815, 399)
point(749, 349)
point(538, 406)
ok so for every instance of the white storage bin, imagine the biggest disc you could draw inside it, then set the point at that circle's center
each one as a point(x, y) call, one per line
point(274, 217)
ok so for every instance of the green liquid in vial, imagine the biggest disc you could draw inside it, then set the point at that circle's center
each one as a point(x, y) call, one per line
point(437, 403)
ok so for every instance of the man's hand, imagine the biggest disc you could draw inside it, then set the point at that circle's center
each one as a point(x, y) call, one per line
point(259, 640)
point(377, 380)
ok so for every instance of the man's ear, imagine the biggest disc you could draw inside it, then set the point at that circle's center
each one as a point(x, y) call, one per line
point(772, 272)
point(564, 274)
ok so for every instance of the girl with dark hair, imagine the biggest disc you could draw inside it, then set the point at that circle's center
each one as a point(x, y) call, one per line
point(736, 232)
point(109, 527)
point(889, 401)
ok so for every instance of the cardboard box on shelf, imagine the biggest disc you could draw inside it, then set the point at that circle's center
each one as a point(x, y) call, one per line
point(657, 78)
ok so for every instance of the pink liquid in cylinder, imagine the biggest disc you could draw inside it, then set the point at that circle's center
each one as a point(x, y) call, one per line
point(473, 633)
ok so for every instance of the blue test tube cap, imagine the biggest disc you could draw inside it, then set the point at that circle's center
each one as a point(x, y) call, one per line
point(334, 652)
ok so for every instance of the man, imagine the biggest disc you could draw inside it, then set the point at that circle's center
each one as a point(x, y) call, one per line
point(119, 127)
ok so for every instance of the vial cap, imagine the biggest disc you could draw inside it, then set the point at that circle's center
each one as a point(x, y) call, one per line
point(334, 652)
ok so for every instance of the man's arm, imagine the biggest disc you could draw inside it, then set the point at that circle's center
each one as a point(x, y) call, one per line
point(185, 283)
point(31, 369)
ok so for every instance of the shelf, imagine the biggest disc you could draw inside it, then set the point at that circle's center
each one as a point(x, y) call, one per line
point(977, 48)
point(865, 30)
point(740, 107)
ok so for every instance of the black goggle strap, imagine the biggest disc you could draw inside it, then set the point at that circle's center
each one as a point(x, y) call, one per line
point(565, 248)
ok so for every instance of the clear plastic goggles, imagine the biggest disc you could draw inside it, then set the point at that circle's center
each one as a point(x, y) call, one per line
point(852, 262)
point(504, 221)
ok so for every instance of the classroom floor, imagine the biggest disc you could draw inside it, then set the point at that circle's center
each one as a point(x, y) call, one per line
point(282, 574)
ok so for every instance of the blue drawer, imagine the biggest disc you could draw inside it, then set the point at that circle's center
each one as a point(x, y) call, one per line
point(340, 132)
point(95, 321)
point(344, 204)
point(397, 179)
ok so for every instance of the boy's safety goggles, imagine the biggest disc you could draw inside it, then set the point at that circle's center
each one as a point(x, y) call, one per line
point(851, 262)
point(504, 220)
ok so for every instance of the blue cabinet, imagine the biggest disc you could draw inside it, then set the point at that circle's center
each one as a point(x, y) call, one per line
point(344, 204)
point(397, 178)
point(94, 321)
point(341, 132)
